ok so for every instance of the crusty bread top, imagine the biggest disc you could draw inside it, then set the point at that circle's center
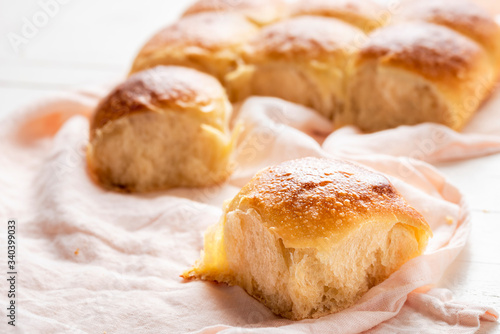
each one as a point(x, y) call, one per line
point(433, 51)
point(364, 14)
point(308, 200)
point(304, 36)
point(173, 87)
point(462, 16)
point(266, 10)
point(210, 31)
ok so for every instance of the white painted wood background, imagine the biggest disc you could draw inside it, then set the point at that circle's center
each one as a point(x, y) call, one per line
point(93, 42)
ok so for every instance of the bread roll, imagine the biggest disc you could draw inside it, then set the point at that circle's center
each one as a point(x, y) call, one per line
point(417, 72)
point(259, 11)
point(309, 237)
point(303, 60)
point(164, 127)
point(208, 42)
point(462, 16)
point(364, 14)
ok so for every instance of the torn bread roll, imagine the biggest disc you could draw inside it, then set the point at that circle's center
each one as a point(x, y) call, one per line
point(417, 72)
point(305, 60)
point(364, 14)
point(164, 127)
point(309, 237)
point(209, 42)
point(260, 12)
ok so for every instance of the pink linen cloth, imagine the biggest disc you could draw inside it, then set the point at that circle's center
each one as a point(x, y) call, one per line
point(93, 261)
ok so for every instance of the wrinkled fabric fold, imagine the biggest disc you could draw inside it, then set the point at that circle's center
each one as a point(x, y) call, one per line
point(95, 261)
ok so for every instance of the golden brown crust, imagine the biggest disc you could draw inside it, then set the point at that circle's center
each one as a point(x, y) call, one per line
point(210, 31)
point(462, 16)
point(327, 197)
point(364, 14)
point(172, 87)
point(304, 36)
point(209, 42)
point(269, 10)
point(434, 51)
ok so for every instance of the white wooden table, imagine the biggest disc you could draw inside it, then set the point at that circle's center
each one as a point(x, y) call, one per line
point(93, 42)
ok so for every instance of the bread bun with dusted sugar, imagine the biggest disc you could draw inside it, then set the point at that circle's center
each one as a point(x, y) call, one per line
point(164, 127)
point(305, 60)
point(209, 42)
point(259, 11)
point(416, 72)
point(309, 237)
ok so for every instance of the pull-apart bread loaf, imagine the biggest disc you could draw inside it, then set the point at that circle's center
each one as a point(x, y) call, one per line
point(164, 127)
point(209, 42)
point(258, 11)
point(305, 60)
point(422, 61)
point(364, 14)
point(410, 73)
point(309, 237)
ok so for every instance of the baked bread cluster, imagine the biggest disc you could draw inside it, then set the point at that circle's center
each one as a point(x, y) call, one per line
point(353, 61)
point(309, 237)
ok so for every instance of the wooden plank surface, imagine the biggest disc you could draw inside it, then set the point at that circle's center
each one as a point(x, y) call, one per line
point(93, 42)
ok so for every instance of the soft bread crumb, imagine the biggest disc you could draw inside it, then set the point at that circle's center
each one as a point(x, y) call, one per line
point(152, 151)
